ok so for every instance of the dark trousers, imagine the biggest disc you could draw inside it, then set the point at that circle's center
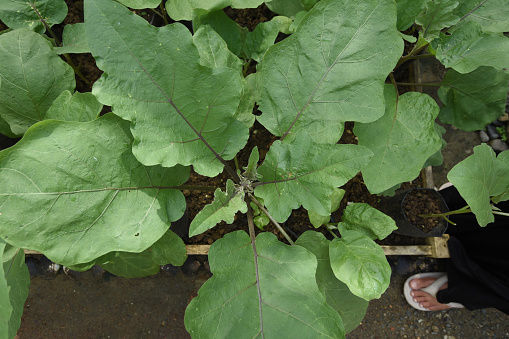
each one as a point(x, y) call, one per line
point(478, 270)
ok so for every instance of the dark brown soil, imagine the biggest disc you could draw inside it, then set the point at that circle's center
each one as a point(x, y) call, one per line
point(418, 203)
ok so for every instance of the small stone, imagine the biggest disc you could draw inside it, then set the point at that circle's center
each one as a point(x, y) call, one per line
point(169, 270)
point(504, 118)
point(499, 145)
point(483, 135)
point(434, 328)
point(206, 266)
point(492, 132)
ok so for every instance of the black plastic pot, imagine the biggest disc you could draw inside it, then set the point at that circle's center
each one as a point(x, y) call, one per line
point(393, 207)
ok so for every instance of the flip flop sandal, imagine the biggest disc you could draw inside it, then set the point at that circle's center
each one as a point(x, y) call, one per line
point(431, 289)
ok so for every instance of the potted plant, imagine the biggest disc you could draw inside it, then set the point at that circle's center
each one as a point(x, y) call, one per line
point(88, 190)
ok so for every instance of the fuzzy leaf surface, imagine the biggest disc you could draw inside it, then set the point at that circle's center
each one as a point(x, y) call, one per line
point(466, 95)
point(305, 173)
point(181, 112)
point(32, 76)
point(274, 297)
point(437, 15)
point(350, 307)
point(74, 107)
point(361, 264)
point(365, 219)
point(23, 14)
point(224, 207)
point(14, 281)
point(74, 192)
point(74, 40)
point(492, 15)
point(469, 48)
point(401, 141)
point(503, 160)
point(316, 79)
point(478, 178)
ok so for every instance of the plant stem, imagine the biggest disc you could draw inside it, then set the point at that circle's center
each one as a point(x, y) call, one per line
point(196, 188)
point(460, 211)
point(501, 213)
point(417, 49)
point(66, 55)
point(334, 235)
point(163, 11)
point(260, 206)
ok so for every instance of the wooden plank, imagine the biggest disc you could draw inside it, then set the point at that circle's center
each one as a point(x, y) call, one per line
point(408, 250)
point(439, 248)
point(388, 250)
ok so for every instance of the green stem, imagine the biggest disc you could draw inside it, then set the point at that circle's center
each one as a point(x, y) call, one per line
point(416, 50)
point(500, 213)
point(163, 11)
point(260, 206)
point(334, 235)
point(66, 55)
point(463, 210)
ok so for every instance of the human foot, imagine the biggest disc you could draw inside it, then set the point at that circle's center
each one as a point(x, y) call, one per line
point(425, 299)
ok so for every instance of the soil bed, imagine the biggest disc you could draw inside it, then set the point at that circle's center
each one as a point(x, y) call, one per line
point(418, 203)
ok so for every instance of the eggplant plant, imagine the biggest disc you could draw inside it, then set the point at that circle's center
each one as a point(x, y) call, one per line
point(87, 189)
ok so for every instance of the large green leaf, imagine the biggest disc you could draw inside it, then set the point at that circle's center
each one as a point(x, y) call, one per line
point(33, 76)
point(351, 308)
point(408, 10)
point(229, 30)
point(492, 15)
point(213, 49)
point(74, 40)
point(140, 4)
point(28, 13)
point(473, 100)
point(185, 9)
point(74, 107)
point(331, 70)
point(437, 15)
point(14, 281)
point(181, 112)
point(469, 48)
point(265, 33)
point(224, 207)
point(170, 249)
point(5, 303)
point(305, 173)
point(290, 8)
point(401, 141)
point(74, 191)
point(368, 220)
point(478, 178)
point(361, 264)
point(262, 290)
point(318, 220)
point(503, 160)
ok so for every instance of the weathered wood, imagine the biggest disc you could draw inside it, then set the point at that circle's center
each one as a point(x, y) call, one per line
point(388, 250)
point(439, 248)
point(408, 250)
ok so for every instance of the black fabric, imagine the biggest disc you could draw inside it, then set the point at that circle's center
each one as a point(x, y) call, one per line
point(478, 270)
